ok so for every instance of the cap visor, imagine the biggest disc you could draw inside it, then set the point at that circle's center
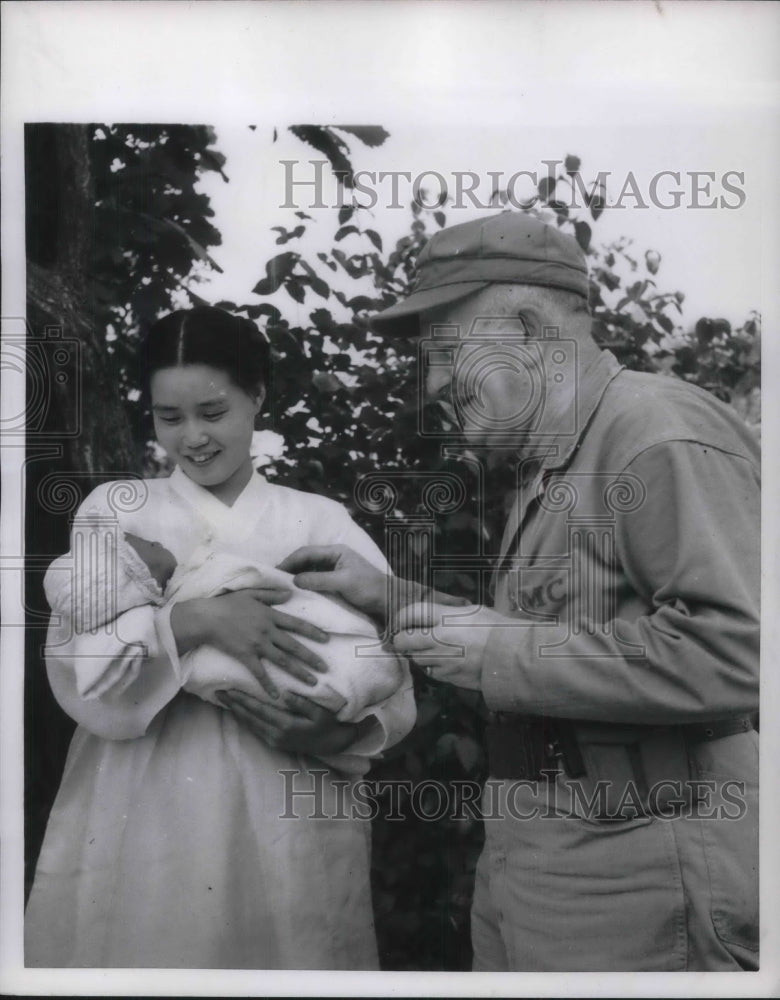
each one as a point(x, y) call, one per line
point(401, 320)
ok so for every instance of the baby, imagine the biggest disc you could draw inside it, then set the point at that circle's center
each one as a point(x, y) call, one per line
point(127, 571)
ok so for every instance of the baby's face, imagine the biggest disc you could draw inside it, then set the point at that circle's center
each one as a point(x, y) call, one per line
point(160, 561)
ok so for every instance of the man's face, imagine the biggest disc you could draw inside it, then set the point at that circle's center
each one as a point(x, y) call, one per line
point(494, 383)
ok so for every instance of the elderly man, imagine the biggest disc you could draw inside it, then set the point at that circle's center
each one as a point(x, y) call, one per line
point(620, 655)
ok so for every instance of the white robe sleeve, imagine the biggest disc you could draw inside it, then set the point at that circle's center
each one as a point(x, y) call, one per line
point(114, 676)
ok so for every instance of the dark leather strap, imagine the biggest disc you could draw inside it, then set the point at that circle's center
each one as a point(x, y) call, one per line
point(532, 747)
point(704, 732)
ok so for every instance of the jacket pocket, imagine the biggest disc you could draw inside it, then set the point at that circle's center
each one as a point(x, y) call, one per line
point(731, 853)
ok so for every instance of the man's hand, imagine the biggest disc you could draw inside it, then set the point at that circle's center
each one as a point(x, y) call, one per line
point(337, 569)
point(244, 625)
point(298, 726)
point(453, 652)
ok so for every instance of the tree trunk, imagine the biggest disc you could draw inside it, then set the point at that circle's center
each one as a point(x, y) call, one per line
point(60, 300)
point(77, 430)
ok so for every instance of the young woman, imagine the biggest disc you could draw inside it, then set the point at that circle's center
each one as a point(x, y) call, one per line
point(178, 837)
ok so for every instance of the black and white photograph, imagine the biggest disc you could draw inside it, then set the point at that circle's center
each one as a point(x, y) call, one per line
point(387, 592)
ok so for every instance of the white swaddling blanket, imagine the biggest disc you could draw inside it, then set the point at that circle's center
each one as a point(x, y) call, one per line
point(360, 672)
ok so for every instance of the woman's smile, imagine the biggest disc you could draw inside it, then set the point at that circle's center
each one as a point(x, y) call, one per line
point(202, 458)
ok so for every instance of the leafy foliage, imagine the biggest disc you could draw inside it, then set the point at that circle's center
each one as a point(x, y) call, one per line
point(152, 233)
point(326, 140)
point(152, 226)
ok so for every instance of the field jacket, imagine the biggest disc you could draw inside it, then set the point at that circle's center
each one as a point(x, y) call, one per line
point(630, 560)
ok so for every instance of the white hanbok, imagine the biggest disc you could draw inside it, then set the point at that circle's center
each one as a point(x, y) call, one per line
point(177, 838)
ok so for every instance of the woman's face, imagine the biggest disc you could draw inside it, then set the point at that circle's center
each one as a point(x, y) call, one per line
point(205, 423)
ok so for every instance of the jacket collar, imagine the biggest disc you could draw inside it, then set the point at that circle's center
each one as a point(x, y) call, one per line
point(562, 429)
point(563, 432)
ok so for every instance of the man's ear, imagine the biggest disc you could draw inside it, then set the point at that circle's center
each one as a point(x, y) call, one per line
point(533, 321)
point(259, 397)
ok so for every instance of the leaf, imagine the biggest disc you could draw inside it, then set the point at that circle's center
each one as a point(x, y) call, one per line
point(345, 213)
point(572, 164)
point(469, 753)
point(200, 252)
point(608, 278)
point(652, 261)
point(287, 235)
point(196, 299)
point(686, 358)
point(375, 238)
point(345, 231)
point(722, 326)
point(295, 289)
point(546, 187)
point(361, 302)
point(369, 135)
point(327, 382)
point(277, 270)
point(560, 208)
point(322, 288)
point(322, 319)
point(705, 330)
point(326, 260)
point(325, 141)
point(341, 257)
point(582, 232)
point(214, 161)
point(464, 748)
point(264, 309)
point(597, 202)
point(440, 217)
point(315, 282)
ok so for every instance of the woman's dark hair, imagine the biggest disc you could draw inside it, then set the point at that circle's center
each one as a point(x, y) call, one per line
point(207, 336)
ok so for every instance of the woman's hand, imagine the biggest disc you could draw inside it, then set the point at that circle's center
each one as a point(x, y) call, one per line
point(298, 726)
point(244, 624)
